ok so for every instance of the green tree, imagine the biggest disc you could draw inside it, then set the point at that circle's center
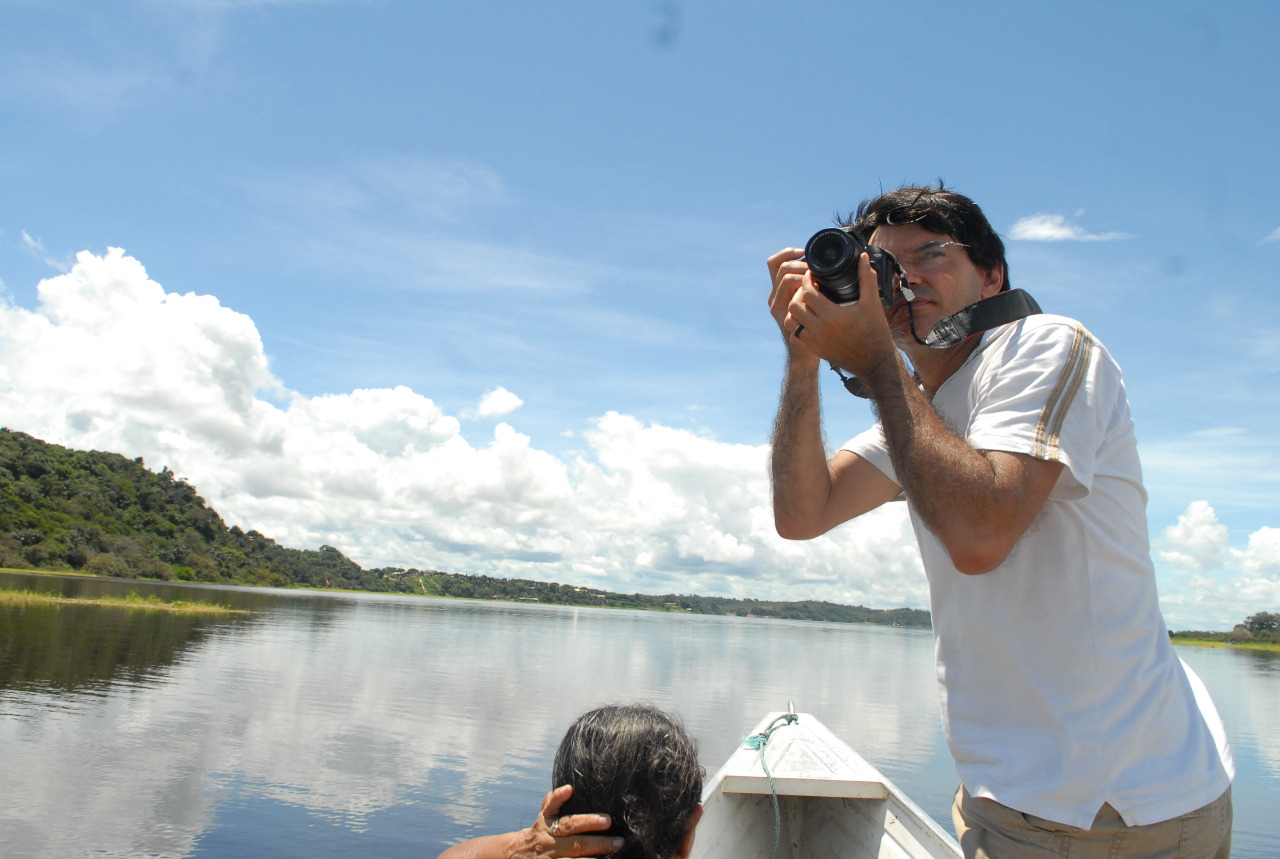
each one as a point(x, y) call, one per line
point(1262, 622)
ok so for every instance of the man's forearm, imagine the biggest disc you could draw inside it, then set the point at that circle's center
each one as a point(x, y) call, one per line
point(798, 462)
point(960, 493)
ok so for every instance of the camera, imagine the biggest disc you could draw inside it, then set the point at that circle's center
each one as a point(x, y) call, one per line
point(833, 256)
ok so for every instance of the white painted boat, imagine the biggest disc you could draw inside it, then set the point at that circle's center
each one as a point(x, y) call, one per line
point(830, 802)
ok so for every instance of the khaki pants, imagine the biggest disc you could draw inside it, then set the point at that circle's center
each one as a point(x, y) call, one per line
point(988, 830)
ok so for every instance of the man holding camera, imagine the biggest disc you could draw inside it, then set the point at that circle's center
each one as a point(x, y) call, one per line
point(1075, 728)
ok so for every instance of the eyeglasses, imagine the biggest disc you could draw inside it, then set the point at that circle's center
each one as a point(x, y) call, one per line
point(928, 256)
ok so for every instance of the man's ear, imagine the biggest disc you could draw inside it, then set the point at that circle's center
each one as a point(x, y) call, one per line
point(992, 280)
point(686, 845)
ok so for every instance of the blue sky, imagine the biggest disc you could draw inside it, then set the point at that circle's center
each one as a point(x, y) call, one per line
point(483, 289)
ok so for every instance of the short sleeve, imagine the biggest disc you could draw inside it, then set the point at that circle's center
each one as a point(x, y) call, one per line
point(871, 446)
point(1036, 392)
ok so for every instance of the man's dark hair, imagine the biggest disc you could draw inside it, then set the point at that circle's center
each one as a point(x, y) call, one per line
point(938, 210)
point(638, 765)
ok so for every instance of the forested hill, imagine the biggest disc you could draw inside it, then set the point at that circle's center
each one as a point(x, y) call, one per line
point(103, 513)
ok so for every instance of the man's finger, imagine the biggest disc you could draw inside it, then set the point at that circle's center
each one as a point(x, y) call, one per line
point(783, 256)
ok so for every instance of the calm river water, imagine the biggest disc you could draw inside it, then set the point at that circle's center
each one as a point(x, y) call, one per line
point(327, 725)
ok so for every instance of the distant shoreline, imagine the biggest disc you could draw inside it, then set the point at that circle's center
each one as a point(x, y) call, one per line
point(139, 602)
point(1242, 645)
point(512, 590)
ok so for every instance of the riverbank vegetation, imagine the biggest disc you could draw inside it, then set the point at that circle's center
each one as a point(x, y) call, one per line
point(1193, 641)
point(1259, 631)
point(90, 512)
point(132, 601)
point(435, 583)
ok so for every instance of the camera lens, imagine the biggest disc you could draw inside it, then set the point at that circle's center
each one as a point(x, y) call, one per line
point(830, 251)
point(833, 255)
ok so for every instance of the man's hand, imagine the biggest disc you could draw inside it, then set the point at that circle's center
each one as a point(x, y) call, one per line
point(855, 337)
point(789, 273)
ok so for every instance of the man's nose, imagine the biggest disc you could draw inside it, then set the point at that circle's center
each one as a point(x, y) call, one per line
point(913, 276)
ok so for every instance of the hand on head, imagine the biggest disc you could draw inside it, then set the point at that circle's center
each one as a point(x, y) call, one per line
point(628, 773)
point(569, 835)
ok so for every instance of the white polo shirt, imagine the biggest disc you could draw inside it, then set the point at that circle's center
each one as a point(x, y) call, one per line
point(1060, 689)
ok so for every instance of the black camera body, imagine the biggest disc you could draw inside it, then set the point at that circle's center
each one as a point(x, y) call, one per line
point(833, 256)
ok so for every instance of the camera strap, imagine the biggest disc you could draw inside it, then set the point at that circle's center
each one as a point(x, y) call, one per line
point(1000, 309)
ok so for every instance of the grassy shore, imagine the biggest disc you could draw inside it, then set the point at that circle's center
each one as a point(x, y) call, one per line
point(79, 574)
point(132, 601)
point(1244, 645)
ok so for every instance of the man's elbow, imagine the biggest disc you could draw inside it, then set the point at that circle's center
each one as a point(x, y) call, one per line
point(795, 529)
point(975, 560)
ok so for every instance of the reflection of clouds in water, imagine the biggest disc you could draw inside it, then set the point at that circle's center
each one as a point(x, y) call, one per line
point(1260, 707)
point(873, 687)
point(112, 773)
point(1245, 687)
point(355, 714)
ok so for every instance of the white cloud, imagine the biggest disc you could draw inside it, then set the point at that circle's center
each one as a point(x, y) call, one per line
point(1274, 237)
point(1198, 542)
point(497, 403)
point(1219, 433)
point(1055, 228)
point(1220, 585)
point(36, 248)
point(111, 361)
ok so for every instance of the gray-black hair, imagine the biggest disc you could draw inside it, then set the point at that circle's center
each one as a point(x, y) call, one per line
point(637, 764)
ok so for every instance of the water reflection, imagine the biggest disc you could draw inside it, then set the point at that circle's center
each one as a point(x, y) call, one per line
point(1245, 685)
point(396, 725)
point(66, 648)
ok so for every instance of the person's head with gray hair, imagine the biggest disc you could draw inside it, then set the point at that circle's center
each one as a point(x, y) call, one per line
point(637, 764)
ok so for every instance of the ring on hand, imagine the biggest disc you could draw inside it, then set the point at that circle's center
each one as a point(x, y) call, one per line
point(796, 333)
point(555, 828)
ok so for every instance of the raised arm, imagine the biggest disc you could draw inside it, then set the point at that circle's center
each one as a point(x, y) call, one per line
point(811, 495)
